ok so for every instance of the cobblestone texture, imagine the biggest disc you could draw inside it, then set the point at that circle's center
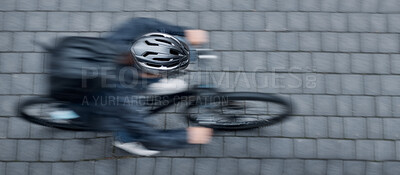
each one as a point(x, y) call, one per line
point(337, 60)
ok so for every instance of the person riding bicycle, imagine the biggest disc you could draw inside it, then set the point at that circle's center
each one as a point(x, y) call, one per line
point(150, 50)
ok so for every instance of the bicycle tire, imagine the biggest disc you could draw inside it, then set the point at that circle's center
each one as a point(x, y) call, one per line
point(238, 96)
point(46, 122)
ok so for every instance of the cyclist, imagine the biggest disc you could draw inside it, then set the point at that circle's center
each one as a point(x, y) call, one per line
point(147, 51)
point(153, 49)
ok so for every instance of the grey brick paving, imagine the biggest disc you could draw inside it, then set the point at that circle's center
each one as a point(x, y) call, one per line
point(305, 148)
point(281, 147)
point(105, 167)
point(310, 41)
point(353, 167)
point(346, 124)
point(336, 149)
point(320, 21)
point(205, 166)
point(293, 166)
point(395, 103)
point(381, 64)
point(335, 127)
point(372, 85)
point(50, 150)
point(390, 128)
point(273, 166)
point(329, 42)
point(375, 128)
point(389, 85)
point(395, 62)
point(215, 149)
point(384, 150)
point(62, 168)
point(359, 22)
point(163, 166)
point(14, 61)
point(294, 127)
point(314, 167)
point(254, 21)
point(297, 21)
point(182, 166)
point(227, 166)
point(209, 20)
point(231, 21)
point(73, 150)
point(84, 167)
point(249, 166)
point(276, 21)
point(28, 150)
point(145, 165)
point(235, 146)
point(335, 167)
point(391, 168)
point(288, 41)
point(365, 149)
point(369, 42)
point(374, 168)
point(324, 105)
point(265, 41)
point(290, 5)
point(17, 128)
point(339, 22)
point(17, 168)
point(94, 148)
point(10, 150)
point(243, 41)
point(13, 21)
point(316, 127)
point(39, 168)
point(355, 128)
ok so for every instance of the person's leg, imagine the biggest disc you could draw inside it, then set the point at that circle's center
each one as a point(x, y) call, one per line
point(125, 137)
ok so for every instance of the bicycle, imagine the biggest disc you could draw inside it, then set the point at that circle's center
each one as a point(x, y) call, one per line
point(204, 106)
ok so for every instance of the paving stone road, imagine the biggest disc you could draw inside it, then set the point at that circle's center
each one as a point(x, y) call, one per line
point(337, 60)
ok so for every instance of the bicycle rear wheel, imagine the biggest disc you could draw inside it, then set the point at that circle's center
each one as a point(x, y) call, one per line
point(50, 112)
point(238, 110)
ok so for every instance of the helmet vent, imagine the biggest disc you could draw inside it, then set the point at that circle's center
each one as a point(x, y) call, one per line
point(156, 35)
point(150, 44)
point(149, 53)
point(164, 41)
point(162, 59)
point(153, 65)
point(173, 52)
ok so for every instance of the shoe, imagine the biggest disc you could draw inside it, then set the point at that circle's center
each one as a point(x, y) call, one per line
point(135, 148)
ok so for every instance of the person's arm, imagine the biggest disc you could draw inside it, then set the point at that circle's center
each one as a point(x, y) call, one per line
point(137, 27)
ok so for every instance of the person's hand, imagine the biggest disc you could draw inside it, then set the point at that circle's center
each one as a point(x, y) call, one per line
point(196, 37)
point(199, 135)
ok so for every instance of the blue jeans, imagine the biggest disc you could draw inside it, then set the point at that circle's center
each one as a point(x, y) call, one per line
point(123, 136)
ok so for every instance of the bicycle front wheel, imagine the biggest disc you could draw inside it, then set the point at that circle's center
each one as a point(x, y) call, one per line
point(238, 110)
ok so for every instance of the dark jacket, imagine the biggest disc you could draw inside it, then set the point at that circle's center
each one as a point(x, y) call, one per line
point(115, 106)
point(133, 29)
